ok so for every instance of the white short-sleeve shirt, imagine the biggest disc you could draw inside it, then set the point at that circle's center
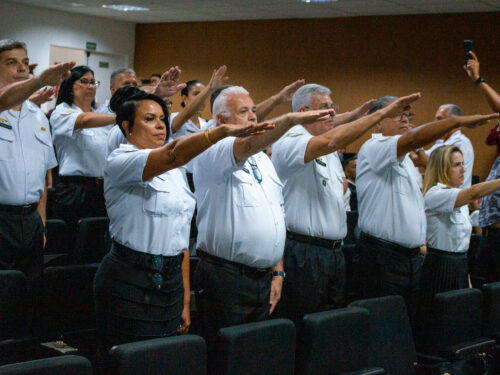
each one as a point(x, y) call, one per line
point(448, 228)
point(80, 152)
point(26, 153)
point(188, 127)
point(153, 216)
point(239, 219)
point(313, 191)
point(390, 203)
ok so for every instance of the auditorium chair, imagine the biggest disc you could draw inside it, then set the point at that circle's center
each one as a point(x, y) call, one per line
point(92, 241)
point(178, 355)
point(64, 365)
point(266, 347)
point(335, 342)
point(491, 316)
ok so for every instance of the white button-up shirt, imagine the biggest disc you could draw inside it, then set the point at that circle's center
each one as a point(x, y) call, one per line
point(153, 216)
point(239, 219)
point(390, 203)
point(26, 153)
point(115, 139)
point(313, 191)
point(80, 152)
point(464, 144)
point(188, 127)
point(448, 228)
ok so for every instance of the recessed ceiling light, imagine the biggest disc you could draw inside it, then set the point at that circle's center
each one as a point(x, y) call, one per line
point(126, 8)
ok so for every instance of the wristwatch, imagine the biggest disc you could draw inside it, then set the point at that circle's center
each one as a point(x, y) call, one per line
point(279, 273)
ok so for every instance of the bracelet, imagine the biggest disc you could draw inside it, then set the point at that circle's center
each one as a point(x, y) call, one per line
point(279, 273)
point(479, 80)
point(207, 137)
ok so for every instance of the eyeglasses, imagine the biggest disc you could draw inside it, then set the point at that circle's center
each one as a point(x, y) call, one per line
point(89, 82)
point(408, 115)
point(255, 169)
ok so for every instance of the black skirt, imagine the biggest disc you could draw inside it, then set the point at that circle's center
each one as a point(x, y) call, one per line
point(442, 271)
point(137, 296)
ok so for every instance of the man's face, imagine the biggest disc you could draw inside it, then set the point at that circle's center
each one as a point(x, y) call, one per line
point(14, 66)
point(242, 110)
point(154, 80)
point(395, 126)
point(320, 101)
point(350, 170)
point(442, 113)
point(122, 80)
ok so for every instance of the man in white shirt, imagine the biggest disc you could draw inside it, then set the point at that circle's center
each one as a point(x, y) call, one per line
point(307, 162)
point(457, 138)
point(241, 225)
point(391, 206)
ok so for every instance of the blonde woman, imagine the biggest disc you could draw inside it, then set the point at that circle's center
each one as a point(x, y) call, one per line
point(448, 226)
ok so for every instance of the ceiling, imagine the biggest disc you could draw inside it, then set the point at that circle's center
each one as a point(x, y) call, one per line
point(226, 10)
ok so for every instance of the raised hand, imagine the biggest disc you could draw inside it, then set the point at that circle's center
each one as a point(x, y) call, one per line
point(472, 67)
point(399, 106)
point(363, 109)
point(42, 96)
point(218, 78)
point(54, 75)
point(309, 117)
point(286, 93)
point(476, 120)
point(168, 84)
point(247, 129)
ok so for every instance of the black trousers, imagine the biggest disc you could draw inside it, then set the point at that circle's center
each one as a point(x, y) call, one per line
point(488, 258)
point(229, 295)
point(315, 279)
point(78, 197)
point(388, 269)
point(21, 245)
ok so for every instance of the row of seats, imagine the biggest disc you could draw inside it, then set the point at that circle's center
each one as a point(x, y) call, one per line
point(368, 337)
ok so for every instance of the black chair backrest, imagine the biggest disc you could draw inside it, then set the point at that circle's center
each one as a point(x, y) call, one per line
point(333, 342)
point(456, 319)
point(67, 301)
point(64, 365)
point(15, 304)
point(391, 339)
point(179, 355)
point(57, 237)
point(92, 241)
point(266, 347)
point(491, 310)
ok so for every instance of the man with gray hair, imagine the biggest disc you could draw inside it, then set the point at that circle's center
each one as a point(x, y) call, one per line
point(307, 163)
point(26, 154)
point(457, 138)
point(241, 225)
point(391, 207)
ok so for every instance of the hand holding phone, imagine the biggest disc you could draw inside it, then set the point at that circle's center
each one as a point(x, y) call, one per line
point(468, 46)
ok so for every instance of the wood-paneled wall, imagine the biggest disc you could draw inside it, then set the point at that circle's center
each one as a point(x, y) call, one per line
point(358, 58)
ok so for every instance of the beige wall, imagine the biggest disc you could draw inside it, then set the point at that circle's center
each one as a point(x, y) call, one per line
point(358, 58)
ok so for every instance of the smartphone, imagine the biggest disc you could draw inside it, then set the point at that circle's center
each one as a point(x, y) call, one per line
point(468, 46)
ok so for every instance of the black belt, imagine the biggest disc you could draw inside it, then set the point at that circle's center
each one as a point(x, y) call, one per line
point(330, 244)
point(144, 260)
point(233, 265)
point(408, 251)
point(84, 180)
point(431, 250)
point(25, 209)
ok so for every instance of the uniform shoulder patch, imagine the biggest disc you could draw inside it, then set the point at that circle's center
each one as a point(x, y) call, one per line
point(68, 111)
point(294, 134)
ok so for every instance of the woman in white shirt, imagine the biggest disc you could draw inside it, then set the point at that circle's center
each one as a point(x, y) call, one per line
point(448, 228)
point(142, 285)
point(79, 136)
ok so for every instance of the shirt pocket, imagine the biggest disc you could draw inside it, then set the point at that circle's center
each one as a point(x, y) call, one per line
point(158, 198)
point(244, 190)
point(400, 180)
point(6, 144)
point(85, 139)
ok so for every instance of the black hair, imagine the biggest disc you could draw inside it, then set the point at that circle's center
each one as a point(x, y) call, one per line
point(382, 102)
point(66, 90)
point(185, 90)
point(155, 75)
point(10, 44)
point(215, 94)
point(124, 103)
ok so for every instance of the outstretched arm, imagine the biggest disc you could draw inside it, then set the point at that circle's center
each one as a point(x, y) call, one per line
point(284, 96)
point(168, 85)
point(467, 195)
point(344, 118)
point(492, 97)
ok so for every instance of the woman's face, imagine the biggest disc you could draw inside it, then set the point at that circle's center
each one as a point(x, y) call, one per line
point(194, 90)
point(149, 130)
point(457, 169)
point(84, 88)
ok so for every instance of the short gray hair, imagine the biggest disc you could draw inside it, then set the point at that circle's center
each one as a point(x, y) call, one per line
point(120, 71)
point(455, 110)
point(382, 102)
point(302, 97)
point(9, 44)
point(220, 104)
